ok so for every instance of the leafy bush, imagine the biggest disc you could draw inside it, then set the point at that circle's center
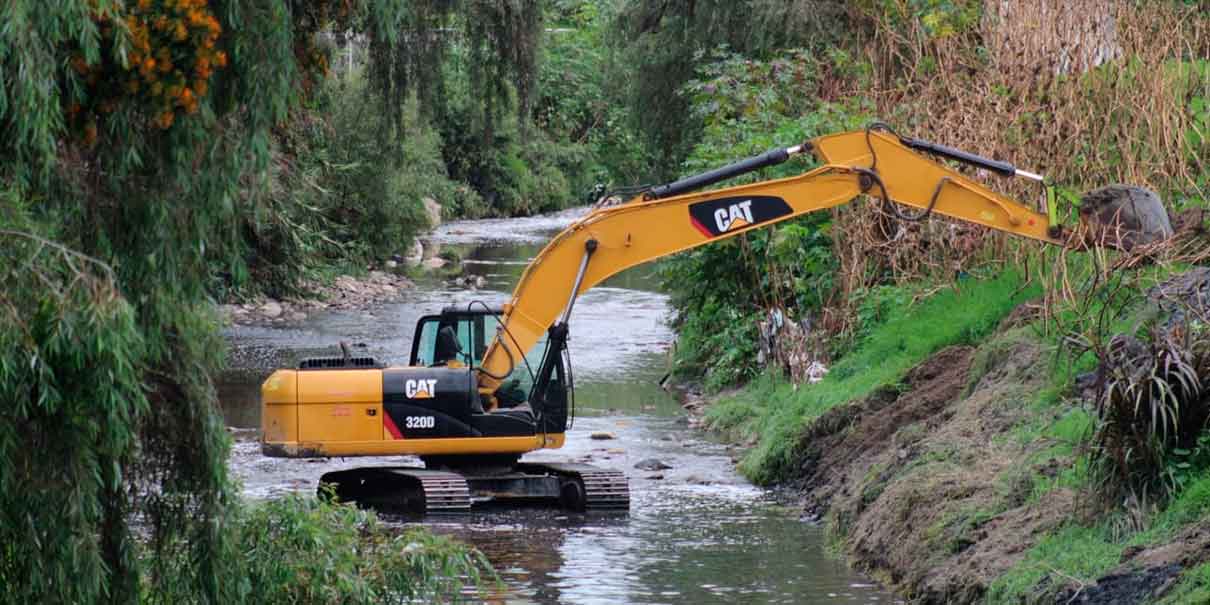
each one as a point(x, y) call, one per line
point(300, 550)
point(1152, 408)
point(720, 292)
point(71, 363)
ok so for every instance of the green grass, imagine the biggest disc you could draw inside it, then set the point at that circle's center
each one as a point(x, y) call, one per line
point(1087, 553)
point(1194, 587)
point(776, 413)
point(1071, 553)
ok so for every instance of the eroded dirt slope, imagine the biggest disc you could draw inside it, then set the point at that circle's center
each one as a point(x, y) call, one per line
point(925, 484)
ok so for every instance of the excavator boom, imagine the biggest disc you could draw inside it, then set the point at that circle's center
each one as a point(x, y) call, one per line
point(643, 230)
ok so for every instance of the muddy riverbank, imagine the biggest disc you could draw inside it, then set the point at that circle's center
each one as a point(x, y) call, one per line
point(697, 531)
point(942, 486)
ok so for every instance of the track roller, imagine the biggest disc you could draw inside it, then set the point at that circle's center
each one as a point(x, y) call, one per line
point(400, 489)
point(586, 488)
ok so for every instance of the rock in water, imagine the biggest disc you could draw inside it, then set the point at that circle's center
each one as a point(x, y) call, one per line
point(271, 309)
point(415, 254)
point(1124, 216)
point(433, 210)
point(602, 436)
point(652, 464)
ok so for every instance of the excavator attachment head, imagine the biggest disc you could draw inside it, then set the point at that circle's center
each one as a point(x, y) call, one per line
point(1123, 217)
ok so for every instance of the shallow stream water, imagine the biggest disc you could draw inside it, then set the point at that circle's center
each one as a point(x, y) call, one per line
point(698, 533)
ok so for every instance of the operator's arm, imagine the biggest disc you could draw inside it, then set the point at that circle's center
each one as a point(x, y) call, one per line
point(645, 230)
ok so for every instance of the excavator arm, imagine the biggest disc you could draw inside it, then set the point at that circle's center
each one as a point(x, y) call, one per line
point(667, 220)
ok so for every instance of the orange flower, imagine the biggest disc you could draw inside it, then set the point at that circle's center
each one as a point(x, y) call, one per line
point(165, 119)
point(148, 64)
point(220, 59)
point(200, 87)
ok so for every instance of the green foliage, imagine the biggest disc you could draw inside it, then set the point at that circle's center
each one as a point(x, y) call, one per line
point(1072, 553)
point(107, 331)
point(777, 413)
point(579, 104)
point(719, 292)
point(32, 58)
point(1194, 587)
point(1086, 553)
point(71, 378)
point(663, 42)
point(477, 90)
point(372, 194)
point(305, 550)
point(939, 18)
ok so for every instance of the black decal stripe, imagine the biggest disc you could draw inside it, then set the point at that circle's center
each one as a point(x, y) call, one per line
point(764, 208)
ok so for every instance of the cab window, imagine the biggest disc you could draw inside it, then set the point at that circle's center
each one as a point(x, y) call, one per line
point(441, 339)
point(472, 334)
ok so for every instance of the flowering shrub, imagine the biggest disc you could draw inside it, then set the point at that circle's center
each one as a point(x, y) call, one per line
point(158, 54)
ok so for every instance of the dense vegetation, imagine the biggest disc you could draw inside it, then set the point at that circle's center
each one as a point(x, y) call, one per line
point(1121, 404)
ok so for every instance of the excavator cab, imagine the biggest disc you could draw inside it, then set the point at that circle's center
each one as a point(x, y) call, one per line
point(459, 338)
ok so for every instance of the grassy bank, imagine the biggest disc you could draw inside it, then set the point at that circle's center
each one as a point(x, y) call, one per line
point(774, 413)
point(956, 456)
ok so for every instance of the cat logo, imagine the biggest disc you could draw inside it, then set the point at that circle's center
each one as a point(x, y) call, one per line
point(717, 217)
point(420, 389)
point(734, 216)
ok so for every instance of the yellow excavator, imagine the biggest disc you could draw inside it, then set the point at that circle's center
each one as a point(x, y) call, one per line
point(486, 385)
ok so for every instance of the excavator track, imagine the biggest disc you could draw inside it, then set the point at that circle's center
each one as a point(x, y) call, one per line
point(400, 489)
point(577, 487)
point(443, 492)
point(586, 487)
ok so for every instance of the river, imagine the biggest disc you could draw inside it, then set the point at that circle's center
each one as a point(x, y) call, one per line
point(696, 533)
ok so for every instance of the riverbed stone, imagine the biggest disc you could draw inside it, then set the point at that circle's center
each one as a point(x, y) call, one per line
point(433, 210)
point(652, 464)
point(602, 436)
point(271, 309)
point(415, 254)
point(429, 249)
